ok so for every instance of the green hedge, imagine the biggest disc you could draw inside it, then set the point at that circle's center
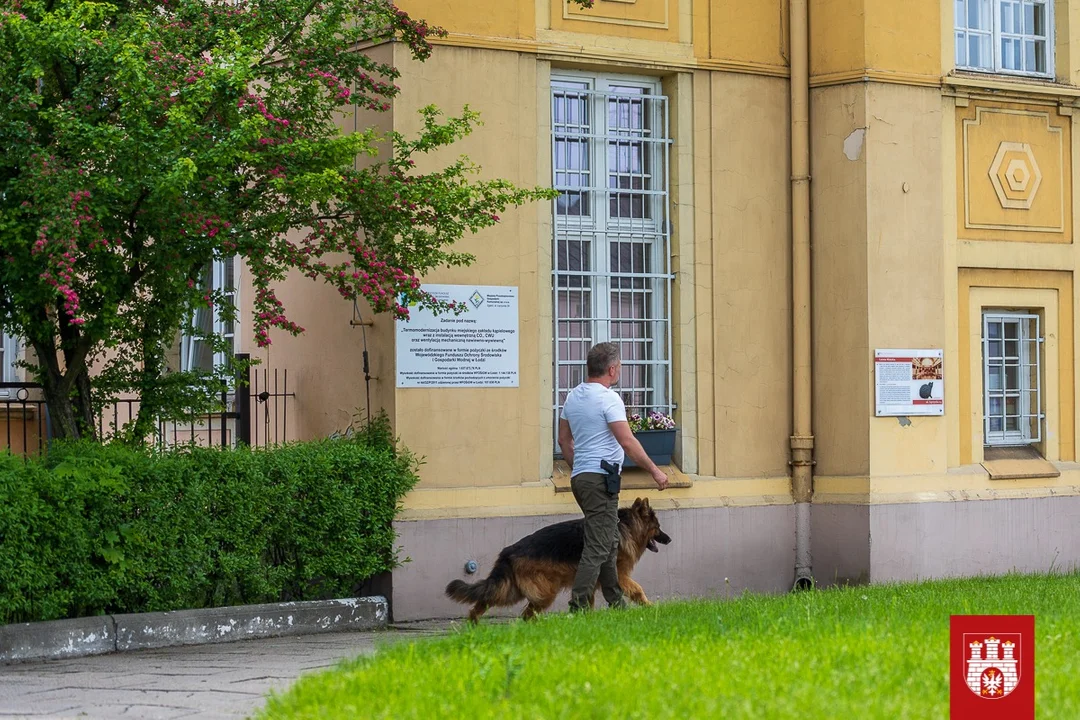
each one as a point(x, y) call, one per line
point(91, 529)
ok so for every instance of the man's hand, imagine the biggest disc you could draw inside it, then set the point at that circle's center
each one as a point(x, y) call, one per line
point(660, 477)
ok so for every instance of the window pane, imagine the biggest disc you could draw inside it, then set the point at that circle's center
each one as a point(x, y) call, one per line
point(630, 257)
point(1009, 57)
point(570, 111)
point(979, 14)
point(960, 14)
point(975, 56)
point(961, 49)
point(1037, 24)
point(1030, 404)
point(994, 378)
point(628, 159)
point(1009, 18)
point(1040, 57)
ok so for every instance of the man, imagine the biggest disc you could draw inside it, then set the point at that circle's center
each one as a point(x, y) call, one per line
point(594, 433)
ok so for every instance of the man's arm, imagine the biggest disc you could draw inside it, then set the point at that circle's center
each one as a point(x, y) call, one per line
point(566, 442)
point(630, 445)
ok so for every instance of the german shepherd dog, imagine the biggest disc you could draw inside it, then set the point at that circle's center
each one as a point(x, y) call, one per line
point(538, 566)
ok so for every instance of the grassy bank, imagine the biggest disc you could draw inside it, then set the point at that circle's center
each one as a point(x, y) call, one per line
point(870, 652)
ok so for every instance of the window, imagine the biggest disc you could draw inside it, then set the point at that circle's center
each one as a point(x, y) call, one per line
point(1005, 36)
point(611, 261)
point(195, 352)
point(9, 355)
point(1012, 382)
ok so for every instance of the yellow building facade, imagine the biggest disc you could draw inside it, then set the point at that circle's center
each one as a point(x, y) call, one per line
point(941, 218)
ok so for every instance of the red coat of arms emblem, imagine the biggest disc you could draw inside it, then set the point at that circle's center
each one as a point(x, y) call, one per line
point(992, 666)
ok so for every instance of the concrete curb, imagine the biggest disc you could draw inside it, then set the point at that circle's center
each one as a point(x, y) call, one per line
point(79, 637)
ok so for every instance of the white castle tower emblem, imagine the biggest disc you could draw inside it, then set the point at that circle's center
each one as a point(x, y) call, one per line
point(993, 666)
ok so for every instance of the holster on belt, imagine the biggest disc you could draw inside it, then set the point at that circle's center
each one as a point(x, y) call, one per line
point(612, 478)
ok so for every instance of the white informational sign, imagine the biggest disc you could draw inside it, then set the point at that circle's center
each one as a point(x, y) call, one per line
point(909, 382)
point(478, 348)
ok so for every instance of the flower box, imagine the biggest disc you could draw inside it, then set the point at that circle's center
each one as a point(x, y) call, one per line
point(658, 445)
point(656, 433)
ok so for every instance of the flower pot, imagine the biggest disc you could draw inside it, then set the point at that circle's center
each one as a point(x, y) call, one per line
point(658, 445)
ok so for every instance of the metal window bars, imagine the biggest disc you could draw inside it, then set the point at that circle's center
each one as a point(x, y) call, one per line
point(611, 268)
point(1012, 379)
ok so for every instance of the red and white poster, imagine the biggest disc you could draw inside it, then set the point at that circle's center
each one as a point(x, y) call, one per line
point(909, 382)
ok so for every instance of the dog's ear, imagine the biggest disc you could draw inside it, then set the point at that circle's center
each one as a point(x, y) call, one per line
point(637, 505)
point(645, 503)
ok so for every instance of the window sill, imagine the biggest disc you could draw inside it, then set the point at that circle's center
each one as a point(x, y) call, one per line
point(969, 80)
point(1022, 462)
point(632, 478)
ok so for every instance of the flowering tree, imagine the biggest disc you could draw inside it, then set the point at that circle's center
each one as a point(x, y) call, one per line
point(145, 138)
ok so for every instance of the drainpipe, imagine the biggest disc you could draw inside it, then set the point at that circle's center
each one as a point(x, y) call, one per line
point(802, 439)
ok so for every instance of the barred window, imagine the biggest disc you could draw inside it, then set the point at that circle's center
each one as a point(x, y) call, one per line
point(1012, 381)
point(611, 257)
point(1005, 36)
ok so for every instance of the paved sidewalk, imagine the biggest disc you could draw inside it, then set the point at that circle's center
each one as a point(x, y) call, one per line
point(226, 680)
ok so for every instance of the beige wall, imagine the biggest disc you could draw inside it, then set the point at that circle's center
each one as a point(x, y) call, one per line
point(325, 363)
point(840, 282)
point(743, 246)
point(485, 436)
point(905, 262)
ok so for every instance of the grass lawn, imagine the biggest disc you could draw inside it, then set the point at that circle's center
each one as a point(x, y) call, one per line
point(856, 653)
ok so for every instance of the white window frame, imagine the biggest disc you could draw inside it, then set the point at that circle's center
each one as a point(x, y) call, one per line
point(1028, 362)
point(651, 230)
point(189, 343)
point(961, 32)
point(9, 372)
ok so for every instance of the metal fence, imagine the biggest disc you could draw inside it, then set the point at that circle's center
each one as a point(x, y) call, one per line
point(255, 413)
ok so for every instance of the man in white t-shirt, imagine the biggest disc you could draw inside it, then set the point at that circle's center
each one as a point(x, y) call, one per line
point(595, 437)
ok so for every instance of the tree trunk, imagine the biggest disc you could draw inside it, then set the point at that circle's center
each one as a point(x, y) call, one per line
point(153, 365)
point(84, 406)
point(70, 418)
point(61, 414)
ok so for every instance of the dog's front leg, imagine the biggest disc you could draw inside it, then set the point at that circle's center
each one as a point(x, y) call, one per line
point(634, 591)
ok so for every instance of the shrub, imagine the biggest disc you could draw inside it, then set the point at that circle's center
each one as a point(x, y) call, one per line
point(91, 529)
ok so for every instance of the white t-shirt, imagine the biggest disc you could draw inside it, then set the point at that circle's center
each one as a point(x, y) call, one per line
point(589, 408)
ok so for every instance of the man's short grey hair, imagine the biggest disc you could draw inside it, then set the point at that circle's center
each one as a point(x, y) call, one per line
point(601, 356)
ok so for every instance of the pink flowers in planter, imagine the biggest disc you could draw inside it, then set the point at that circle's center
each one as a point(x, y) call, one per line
point(653, 421)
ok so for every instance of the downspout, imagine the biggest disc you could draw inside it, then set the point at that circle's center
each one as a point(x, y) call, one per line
point(802, 439)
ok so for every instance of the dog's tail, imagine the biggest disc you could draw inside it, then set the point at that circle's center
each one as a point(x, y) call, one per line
point(495, 590)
